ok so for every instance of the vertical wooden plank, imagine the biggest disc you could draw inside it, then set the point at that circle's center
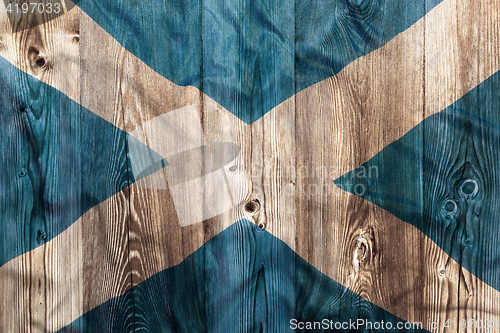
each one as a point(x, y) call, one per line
point(481, 301)
point(441, 72)
point(469, 60)
point(109, 256)
point(43, 51)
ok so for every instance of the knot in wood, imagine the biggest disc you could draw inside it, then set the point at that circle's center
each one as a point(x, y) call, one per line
point(363, 250)
point(41, 236)
point(36, 59)
point(253, 206)
point(469, 188)
point(40, 62)
point(450, 209)
point(362, 8)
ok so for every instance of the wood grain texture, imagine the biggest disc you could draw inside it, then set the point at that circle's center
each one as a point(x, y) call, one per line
point(291, 155)
point(44, 52)
point(412, 77)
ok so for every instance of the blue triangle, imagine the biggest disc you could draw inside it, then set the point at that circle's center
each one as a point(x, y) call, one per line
point(250, 56)
point(242, 280)
point(443, 177)
point(58, 160)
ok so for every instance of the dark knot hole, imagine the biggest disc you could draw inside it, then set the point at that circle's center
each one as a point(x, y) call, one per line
point(252, 206)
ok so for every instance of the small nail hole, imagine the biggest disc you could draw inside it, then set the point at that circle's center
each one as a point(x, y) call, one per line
point(232, 168)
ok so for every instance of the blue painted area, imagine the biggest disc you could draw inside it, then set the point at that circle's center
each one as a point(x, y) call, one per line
point(58, 160)
point(242, 280)
point(251, 55)
point(443, 177)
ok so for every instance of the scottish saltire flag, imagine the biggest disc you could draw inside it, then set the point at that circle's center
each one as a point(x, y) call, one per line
point(64, 165)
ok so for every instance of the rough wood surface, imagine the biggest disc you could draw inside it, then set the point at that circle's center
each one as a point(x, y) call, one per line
point(291, 156)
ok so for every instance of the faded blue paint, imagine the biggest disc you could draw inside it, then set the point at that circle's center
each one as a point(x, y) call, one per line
point(443, 177)
point(58, 160)
point(242, 280)
point(251, 55)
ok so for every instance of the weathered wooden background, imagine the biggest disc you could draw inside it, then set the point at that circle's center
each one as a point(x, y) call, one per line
point(290, 156)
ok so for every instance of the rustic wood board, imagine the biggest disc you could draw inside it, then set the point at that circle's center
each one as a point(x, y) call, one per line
point(301, 145)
